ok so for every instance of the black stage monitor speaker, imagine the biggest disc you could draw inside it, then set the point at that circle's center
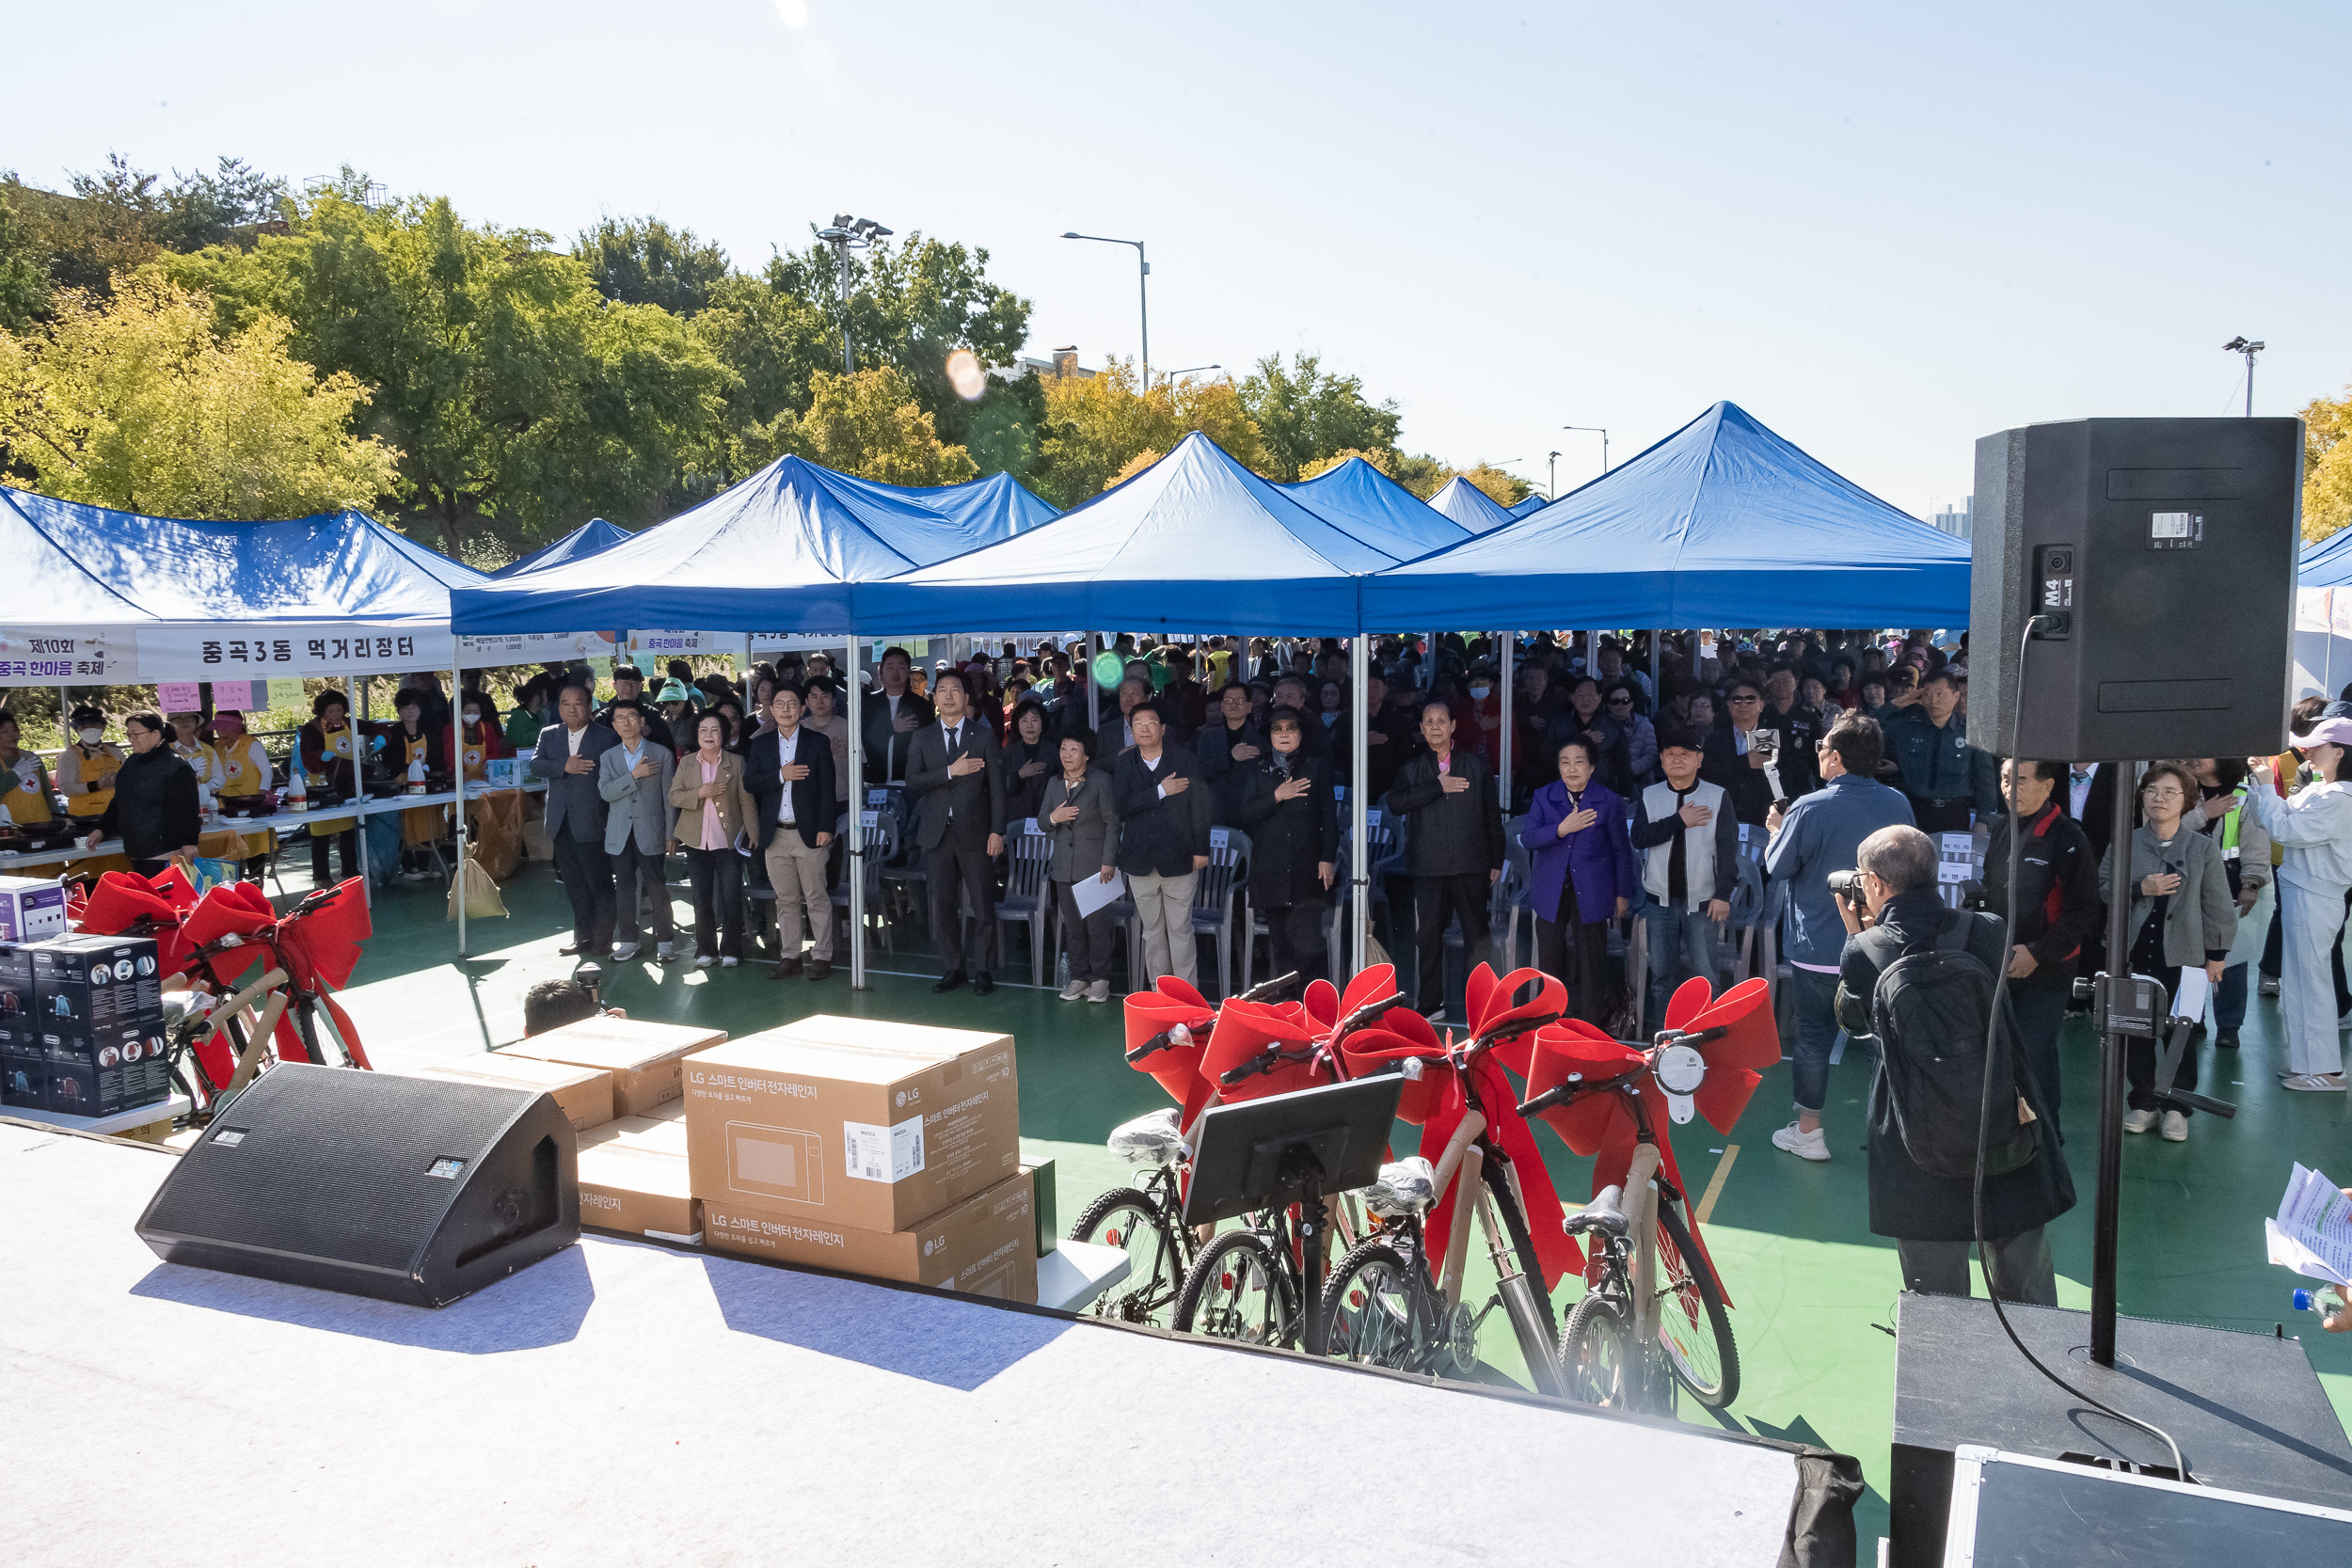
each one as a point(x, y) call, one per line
point(2164, 550)
point(413, 1190)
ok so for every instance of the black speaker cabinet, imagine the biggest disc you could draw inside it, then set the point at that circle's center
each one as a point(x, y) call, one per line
point(2165, 549)
point(413, 1190)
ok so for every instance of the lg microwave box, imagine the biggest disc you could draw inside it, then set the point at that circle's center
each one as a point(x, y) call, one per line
point(584, 1094)
point(653, 1135)
point(31, 909)
point(640, 1191)
point(89, 982)
point(985, 1246)
point(643, 1058)
point(855, 1121)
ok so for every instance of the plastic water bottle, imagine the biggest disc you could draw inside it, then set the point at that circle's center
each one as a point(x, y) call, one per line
point(297, 791)
point(2327, 1301)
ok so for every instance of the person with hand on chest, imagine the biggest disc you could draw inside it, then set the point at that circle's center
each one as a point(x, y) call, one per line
point(1581, 868)
point(1690, 843)
point(634, 777)
point(1163, 843)
point(1293, 818)
point(566, 757)
point(955, 781)
point(1453, 851)
point(1076, 813)
point(1228, 748)
point(790, 779)
point(2182, 914)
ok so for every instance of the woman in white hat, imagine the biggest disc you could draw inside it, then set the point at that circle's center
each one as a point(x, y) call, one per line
point(2315, 826)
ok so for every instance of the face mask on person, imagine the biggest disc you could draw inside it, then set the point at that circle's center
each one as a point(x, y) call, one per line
point(1479, 692)
point(89, 737)
point(472, 716)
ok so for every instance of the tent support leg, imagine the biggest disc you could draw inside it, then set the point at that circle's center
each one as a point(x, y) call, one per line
point(457, 766)
point(1094, 698)
point(856, 871)
point(1358, 833)
point(1502, 768)
point(358, 775)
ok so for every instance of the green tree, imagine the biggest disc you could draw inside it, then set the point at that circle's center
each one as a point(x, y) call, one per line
point(1097, 426)
point(1506, 488)
point(645, 262)
point(23, 271)
point(867, 424)
point(521, 401)
point(133, 402)
point(1422, 474)
point(2326, 465)
point(773, 342)
point(1304, 415)
point(120, 217)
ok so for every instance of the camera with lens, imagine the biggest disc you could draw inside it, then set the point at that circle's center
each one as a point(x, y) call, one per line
point(1847, 886)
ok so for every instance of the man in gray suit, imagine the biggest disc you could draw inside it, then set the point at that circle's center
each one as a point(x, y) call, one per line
point(957, 783)
point(634, 779)
point(567, 758)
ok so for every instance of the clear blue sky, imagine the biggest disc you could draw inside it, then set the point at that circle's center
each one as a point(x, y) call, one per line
point(1884, 230)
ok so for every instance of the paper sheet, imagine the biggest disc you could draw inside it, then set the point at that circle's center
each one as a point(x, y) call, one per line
point(1091, 893)
point(2196, 990)
point(2312, 1232)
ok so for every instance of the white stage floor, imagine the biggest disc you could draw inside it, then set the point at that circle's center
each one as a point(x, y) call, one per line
point(626, 1403)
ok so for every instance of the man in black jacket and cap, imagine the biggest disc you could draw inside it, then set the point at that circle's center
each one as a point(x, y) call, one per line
point(1933, 1218)
point(1455, 851)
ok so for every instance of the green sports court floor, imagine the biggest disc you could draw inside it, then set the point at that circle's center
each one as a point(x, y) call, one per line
point(1813, 1291)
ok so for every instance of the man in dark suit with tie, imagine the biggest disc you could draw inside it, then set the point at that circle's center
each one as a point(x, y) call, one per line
point(892, 717)
point(790, 775)
point(956, 782)
point(567, 758)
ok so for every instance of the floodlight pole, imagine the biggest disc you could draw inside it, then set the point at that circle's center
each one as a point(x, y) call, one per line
point(2241, 345)
point(1603, 432)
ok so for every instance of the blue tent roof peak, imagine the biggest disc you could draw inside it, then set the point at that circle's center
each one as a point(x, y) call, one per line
point(586, 540)
point(1375, 509)
point(1470, 506)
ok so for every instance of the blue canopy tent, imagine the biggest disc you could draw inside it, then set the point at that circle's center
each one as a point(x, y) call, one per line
point(586, 540)
point(1723, 523)
point(1195, 540)
point(2327, 563)
point(988, 509)
point(1358, 498)
point(2323, 615)
point(1470, 506)
point(1533, 503)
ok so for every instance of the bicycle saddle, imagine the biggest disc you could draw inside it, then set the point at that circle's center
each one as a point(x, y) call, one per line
point(1149, 1140)
point(1405, 1187)
point(1601, 1215)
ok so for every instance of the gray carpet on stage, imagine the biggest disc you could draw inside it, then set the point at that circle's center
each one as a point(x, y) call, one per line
point(622, 1403)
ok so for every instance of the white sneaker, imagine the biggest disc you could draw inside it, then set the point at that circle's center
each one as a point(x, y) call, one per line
point(729, 963)
point(1073, 990)
point(2320, 1082)
point(665, 953)
point(623, 952)
point(704, 960)
point(2176, 1126)
point(1098, 991)
point(1804, 1146)
point(2138, 1121)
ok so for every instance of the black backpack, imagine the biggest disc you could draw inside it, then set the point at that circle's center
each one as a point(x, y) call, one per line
point(1929, 1011)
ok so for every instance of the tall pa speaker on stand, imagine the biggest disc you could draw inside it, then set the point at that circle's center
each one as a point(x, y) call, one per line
point(2133, 593)
point(413, 1189)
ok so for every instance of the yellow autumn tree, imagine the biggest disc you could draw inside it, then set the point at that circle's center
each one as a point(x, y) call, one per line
point(2326, 465)
point(868, 424)
point(1096, 426)
point(1382, 458)
point(134, 402)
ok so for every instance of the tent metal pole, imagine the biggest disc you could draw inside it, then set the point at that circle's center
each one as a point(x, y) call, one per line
point(1502, 739)
point(1094, 698)
point(1359, 830)
point(856, 872)
point(359, 773)
point(457, 766)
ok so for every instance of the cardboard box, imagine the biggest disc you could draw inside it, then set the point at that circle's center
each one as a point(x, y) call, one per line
point(654, 1134)
point(16, 983)
point(638, 1191)
point(643, 1058)
point(867, 1125)
point(96, 982)
point(23, 1070)
point(31, 907)
point(584, 1094)
point(985, 1246)
point(87, 1075)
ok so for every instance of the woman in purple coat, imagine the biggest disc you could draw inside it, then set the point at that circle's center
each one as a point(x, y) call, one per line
point(1582, 871)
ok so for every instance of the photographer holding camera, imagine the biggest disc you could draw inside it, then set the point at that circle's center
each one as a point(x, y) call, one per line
point(1921, 977)
point(1813, 845)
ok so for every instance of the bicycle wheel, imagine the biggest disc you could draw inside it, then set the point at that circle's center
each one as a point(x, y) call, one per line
point(1597, 1351)
point(1368, 1308)
point(1238, 1289)
point(1130, 1220)
point(1692, 1322)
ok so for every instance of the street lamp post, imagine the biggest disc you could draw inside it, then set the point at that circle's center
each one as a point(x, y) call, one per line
point(1143, 296)
point(2239, 345)
point(845, 233)
point(1552, 486)
point(1603, 434)
point(1167, 378)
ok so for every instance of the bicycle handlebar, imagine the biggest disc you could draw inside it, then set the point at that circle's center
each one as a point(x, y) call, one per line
point(1193, 1034)
point(1559, 1094)
point(1263, 1061)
